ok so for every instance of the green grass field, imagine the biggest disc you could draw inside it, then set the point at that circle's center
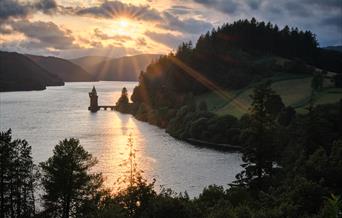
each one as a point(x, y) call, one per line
point(295, 91)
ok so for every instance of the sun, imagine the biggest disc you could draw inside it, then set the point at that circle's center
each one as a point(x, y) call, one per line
point(123, 23)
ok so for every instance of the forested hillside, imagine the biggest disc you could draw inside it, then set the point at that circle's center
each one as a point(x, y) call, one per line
point(193, 90)
point(19, 73)
point(232, 57)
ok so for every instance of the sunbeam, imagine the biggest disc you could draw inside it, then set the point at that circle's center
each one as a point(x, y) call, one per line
point(207, 83)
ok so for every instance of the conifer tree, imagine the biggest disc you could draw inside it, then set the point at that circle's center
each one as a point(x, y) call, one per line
point(258, 155)
point(17, 176)
point(71, 190)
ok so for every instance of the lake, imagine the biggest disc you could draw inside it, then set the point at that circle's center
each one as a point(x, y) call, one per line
point(45, 117)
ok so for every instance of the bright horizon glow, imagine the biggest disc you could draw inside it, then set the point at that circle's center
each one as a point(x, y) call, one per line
point(142, 26)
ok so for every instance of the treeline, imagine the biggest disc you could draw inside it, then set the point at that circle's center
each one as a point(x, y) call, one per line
point(234, 55)
point(291, 169)
point(229, 57)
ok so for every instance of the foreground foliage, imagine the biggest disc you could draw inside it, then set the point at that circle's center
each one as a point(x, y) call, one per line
point(70, 189)
point(17, 177)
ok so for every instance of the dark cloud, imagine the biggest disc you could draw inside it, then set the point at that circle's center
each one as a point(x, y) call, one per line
point(17, 9)
point(43, 35)
point(112, 9)
point(323, 17)
point(254, 4)
point(297, 9)
point(337, 4)
point(103, 36)
point(179, 10)
point(225, 6)
point(190, 25)
point(334, 21)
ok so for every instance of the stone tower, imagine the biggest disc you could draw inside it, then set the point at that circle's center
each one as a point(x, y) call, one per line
point(93, 100)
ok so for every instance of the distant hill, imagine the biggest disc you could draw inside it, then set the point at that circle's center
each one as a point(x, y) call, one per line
point(334, 48)
point(87, 61)
point(117, 69)
point(19, 73)
point(66, 70)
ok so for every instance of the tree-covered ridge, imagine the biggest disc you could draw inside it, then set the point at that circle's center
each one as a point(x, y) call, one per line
point(233, 56)
point(259, 36)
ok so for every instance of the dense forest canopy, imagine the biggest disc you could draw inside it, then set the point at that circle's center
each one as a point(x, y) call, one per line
point(231, 57)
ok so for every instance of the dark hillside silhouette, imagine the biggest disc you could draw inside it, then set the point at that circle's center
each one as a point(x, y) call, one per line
point(19, 73)
point(231, 57)
point(66, 70)
point(334, 48)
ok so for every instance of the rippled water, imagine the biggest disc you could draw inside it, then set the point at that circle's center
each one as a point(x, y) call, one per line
point(45, 117)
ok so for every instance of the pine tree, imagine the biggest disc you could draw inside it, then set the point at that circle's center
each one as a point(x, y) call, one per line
point(71, 190)
point(259, 153)
point(17, 176)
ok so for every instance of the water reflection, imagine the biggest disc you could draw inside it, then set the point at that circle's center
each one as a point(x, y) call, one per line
point(115, 151)
point(61, 112)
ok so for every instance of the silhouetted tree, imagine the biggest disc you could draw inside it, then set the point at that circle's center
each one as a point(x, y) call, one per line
point(286, 116)
point(134, 192)
point(123, 102)
point(71, 190)
point(17, 177)
point(258, 155)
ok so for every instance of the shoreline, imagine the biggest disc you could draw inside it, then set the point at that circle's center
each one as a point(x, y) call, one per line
point(195, 142)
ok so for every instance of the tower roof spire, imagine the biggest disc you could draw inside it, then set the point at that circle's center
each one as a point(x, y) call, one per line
point(93, 90)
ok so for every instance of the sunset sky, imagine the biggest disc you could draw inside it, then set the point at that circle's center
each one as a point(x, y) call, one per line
point(75, 28)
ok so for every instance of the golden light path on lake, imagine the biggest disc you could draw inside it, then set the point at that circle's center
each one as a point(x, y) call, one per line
point(45, 117)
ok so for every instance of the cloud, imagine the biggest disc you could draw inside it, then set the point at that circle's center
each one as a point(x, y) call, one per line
point(166, 20)
point(254, 4)
point(43, 35)
point(179, 10)
point(190, 25)
point(333, 21)
point(225, 6)
point(167, 39)
point(17, 9)
point(297, 9)
point(323, 17)
point(141, 42)
point(109, 51)
point(103, 36)
point(113, 9)
point(337, 4)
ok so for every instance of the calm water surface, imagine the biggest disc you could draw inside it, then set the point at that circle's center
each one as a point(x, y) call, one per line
point(45, 117)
